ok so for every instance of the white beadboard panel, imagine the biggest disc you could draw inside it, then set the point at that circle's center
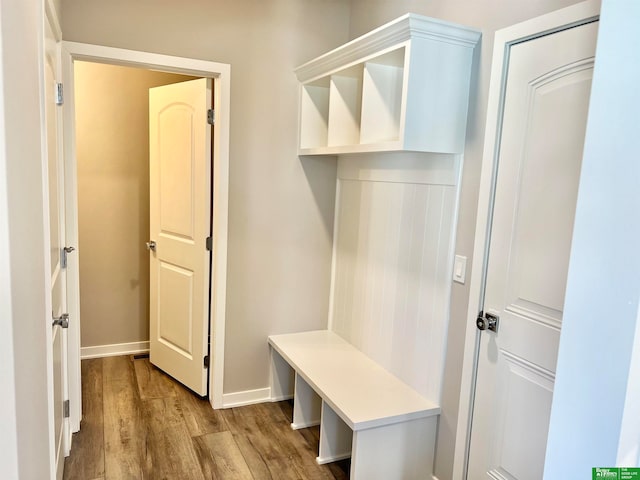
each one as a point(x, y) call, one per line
point(400, 167)
point(392, 268)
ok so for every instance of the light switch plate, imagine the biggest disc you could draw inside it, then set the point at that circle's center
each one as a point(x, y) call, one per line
point(459, 269)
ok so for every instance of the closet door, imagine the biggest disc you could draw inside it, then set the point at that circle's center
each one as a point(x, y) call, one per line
point(180, 219)
point(544, 120)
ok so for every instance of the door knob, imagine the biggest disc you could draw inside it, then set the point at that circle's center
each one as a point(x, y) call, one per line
point(487, 321)
point(151, 245)
point(62, 320)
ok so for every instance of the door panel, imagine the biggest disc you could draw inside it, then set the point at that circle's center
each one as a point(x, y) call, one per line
point(180, 175)
point(176, 171)
point(175, 297)
point(544, 121)
point(526, 392)
point(545, 199)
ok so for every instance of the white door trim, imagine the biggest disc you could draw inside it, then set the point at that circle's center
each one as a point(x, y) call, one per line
point(559, 20)
point(50, 17)
point(221, 74)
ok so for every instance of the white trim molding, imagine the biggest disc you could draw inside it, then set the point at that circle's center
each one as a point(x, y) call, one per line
point(247, 397)
point(221, 75)
point(281, 398)
point(574, 15)
point(99, 351)
point(387, 36)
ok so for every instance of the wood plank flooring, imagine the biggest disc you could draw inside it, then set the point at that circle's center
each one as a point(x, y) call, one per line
point(139, 423)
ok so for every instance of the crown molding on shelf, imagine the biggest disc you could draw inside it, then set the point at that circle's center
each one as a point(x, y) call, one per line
point(391, 34)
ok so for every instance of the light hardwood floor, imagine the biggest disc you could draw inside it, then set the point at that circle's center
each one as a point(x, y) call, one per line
point(141, 424)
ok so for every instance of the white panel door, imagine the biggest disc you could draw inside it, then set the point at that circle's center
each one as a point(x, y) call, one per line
point(180, 219)
point(55, 171)
point(545, 111)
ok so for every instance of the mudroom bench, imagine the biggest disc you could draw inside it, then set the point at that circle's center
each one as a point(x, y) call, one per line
point(364, 412)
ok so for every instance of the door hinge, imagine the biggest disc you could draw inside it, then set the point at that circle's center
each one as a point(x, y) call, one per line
point(206, 361)
point(66, 409)
point(61, 321)
point(59, 94)
point(211, 116)
point(209, 243)
point(63, 256)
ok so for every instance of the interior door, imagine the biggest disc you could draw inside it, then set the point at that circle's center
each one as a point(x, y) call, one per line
point(544, 119)
point(180, 222)
point(55, 171)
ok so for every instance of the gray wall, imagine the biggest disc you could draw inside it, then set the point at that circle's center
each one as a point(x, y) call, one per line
point(280, 207)
point(488, 16)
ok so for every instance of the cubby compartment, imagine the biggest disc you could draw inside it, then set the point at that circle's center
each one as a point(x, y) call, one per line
point(314, 114)
point(382, 98)
point(401, 87)
point(345, 105)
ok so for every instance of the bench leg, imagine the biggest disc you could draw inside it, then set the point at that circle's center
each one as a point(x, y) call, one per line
point(306, 405)
point(281, 378)
point(335, 437)
point(399, 451)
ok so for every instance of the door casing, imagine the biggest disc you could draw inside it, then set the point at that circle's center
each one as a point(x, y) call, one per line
point(221, 75)
point(53, 33)
point(574, 15)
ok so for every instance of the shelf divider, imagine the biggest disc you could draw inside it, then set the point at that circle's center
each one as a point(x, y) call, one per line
point(345, 99)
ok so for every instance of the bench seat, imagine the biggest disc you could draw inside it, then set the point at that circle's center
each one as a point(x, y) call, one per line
point(363, 410)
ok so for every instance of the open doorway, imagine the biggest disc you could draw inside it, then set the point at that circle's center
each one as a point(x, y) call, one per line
point(112, 152)
point(118, 183)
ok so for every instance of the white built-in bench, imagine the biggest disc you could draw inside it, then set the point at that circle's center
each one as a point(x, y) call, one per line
point(386, 427)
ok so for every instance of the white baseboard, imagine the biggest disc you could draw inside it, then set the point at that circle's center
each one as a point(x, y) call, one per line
point(99, 351)
point(248, 397)
point(298, 426)
point(281, 398)
point(433, 477)
point(334, 458)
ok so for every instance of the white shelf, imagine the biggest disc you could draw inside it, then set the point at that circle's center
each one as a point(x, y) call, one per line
point(403, 86)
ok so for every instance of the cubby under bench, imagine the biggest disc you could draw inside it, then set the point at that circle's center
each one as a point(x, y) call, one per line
point(364, 412)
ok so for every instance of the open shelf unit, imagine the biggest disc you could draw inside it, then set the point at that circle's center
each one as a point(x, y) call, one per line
point(403, 86)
